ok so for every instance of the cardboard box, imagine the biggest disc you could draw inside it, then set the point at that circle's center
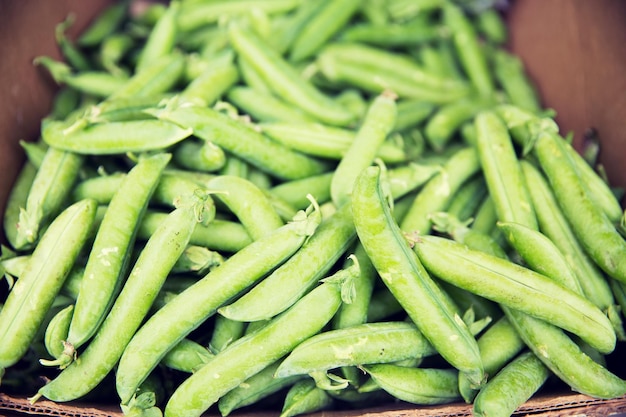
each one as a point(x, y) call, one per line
point(573, 50)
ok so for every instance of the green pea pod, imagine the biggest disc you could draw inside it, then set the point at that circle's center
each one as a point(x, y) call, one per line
point(220, 235)
point(35, 151)
point(199, 155)
point(500, 342)
point(13, 264)
point(510, 73)
point(382, 306)
point(468, 49)
point(446, 120)
point(187, 356)
point(194, 15)
point(513, 385)
point(162, 38)
point(517, 287)
point(192, 307)
point(540, 254)
point(412, 113)
point(170, 186)
point(407, 279)
point(56, 334)
point(225, 331)
point(248, 203)
point(438, 192)
point(325, 141)
point(425, 386)
point(70, 52)
point(405, 10)
point(321, 27)
point(110, 253)
point(485, 217)
point(16, 199)
point(376, 70)
point(130, 307)
point(112, 51)
point(97, 83)
point(526, 126)
point(502, 171)
point(257, 387)
point(241, 360)
point(122, 109)
point(34, 292)
point(299, 274)
point(304, 397)
point(104, 24)
point(71, 286)
point(468, 198)
point(392, 35)
point(197, 260)
point(491, 24)
point(498, 345)
point(295, 191)
point(209, 86)
point(158, 78)
point(355, 312)
point(265, 106)
point(377, 124)
point(65, 102)
point(356, 345)
point(284, 80)
point(556, 349)
point(284, 34)
point(243, 141)
point(596, 233)
point(51, 185)
point(114, 137)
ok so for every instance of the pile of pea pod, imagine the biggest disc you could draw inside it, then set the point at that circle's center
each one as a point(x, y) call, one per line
point(298, 206)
